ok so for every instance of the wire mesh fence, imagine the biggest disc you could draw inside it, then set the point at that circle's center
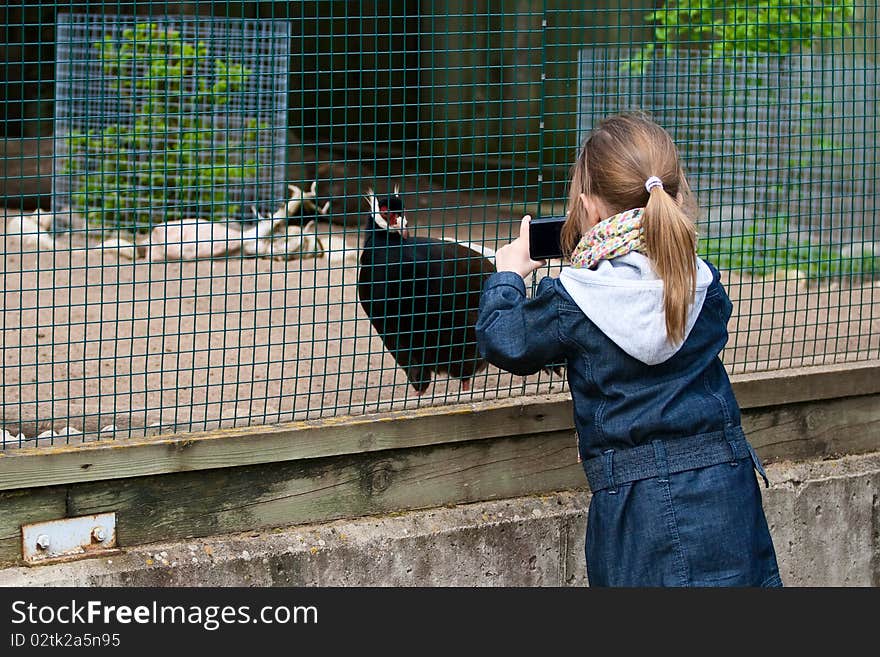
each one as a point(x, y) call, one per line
point(195, 263)
point(787, 137)
point(160, 119)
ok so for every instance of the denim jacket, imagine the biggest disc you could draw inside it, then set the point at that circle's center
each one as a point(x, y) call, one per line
point(620, 401)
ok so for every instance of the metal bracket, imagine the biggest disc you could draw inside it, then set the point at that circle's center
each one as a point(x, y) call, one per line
point(68, 539)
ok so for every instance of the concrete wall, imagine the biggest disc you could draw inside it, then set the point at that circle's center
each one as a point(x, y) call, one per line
point(824, 517)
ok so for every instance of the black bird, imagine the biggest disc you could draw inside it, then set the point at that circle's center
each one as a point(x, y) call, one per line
point(422, 295)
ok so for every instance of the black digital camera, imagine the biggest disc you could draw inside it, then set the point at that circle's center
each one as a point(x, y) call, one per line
point(544, 234)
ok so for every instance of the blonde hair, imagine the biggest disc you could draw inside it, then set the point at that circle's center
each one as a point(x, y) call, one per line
point(622, 152)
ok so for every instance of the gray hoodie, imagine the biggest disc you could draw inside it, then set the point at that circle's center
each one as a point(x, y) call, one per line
point(623, 297)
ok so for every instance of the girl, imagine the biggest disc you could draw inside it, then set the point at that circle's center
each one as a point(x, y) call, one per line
point(640, 320)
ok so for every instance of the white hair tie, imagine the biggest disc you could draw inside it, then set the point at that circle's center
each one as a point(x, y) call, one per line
point(653, 182)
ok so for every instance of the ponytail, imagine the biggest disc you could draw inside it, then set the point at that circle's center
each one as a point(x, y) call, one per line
point(671, 242)
point(629, 162)
point(576, 219)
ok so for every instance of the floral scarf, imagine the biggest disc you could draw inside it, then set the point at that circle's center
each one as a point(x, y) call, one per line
point(615, 236)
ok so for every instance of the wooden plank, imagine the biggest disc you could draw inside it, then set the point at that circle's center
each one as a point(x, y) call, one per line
point(806, 383)
point(22, 507)
point(186, 505)
point(284, 442)
point(824, 429)
point(136, 457)
point(179, 505)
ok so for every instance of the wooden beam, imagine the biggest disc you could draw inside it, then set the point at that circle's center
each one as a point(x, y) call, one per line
point(137, 457)
point(823, 429)
point(181, 505)
point(440, 456)
point(192, 504)
point(22, 507)
point(806, 384)
point(120, 459)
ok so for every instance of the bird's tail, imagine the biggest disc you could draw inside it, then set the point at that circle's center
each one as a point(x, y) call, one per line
point(484, 251)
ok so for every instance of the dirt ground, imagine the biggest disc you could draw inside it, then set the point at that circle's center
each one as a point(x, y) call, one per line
point(91, 340)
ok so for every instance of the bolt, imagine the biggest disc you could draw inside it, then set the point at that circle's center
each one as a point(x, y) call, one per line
point(98, 534)
point(42, 542)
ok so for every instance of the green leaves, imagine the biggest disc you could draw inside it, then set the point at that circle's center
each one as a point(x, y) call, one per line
point(172, 152)
point(736, 42)
point(772, 246)
point(727, 30)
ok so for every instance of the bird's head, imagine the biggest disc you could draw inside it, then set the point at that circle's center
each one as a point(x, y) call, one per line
point(387, 213)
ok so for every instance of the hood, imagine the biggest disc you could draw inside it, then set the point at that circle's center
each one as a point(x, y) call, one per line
point(624, 298)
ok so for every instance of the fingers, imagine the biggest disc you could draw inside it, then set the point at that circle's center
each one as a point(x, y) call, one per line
point(515, 255)
point(524, 237)
point(524, 228)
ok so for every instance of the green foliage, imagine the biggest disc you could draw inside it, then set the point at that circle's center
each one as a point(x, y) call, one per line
point(736, 36)
point(173, 153)
point(771, 246)
point(729, 30)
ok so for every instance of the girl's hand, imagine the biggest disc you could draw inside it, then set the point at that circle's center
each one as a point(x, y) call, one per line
point(515, 256)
